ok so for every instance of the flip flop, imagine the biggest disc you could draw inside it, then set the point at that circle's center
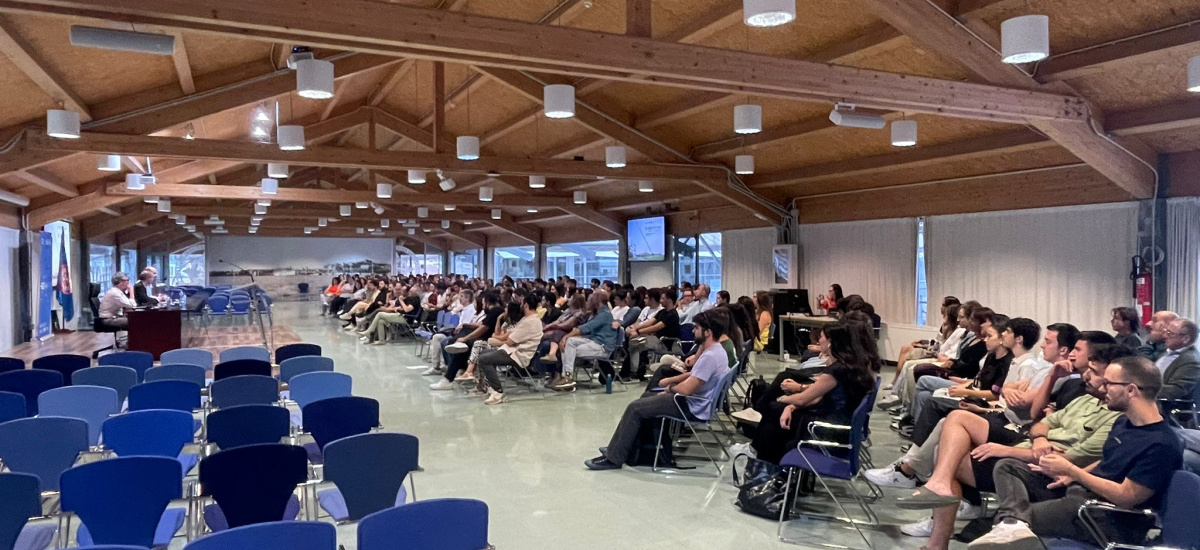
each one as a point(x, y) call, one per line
point(926, 500)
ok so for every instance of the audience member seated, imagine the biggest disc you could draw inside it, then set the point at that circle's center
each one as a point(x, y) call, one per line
point(553, 333)
point(515, 351)
point(113, 306)
point(466, 338)
point(593, 339)
point(1180, 365)
point(970, 359)
point(1128, 325)
point(1155, 345)
point(625, 310)
point(672, 366)
point(945, 345)
point(648, 335)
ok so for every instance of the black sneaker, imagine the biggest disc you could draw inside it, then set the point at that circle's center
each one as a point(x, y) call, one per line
point(601, 463)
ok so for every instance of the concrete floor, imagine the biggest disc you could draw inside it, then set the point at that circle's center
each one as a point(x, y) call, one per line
point(525, 459)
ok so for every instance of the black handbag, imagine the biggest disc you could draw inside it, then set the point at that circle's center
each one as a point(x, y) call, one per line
point(761, 489)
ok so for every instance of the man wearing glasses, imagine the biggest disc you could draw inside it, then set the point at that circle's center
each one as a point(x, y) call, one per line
point(1180, 365)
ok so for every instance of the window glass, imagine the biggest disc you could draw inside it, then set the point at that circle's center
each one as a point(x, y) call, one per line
point(922, 287)
point(102, 263)
point(584, 261)
point(514, 261)
point(186, 267)
point(466, 263)
point(685, 259)
point(708, 256)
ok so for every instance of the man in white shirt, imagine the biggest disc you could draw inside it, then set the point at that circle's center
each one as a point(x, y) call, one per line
point(688, 306)
point(115, 302)
point(703, 294)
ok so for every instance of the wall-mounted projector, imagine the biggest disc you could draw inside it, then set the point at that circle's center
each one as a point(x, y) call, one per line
point(848, 116)
point(126, 41)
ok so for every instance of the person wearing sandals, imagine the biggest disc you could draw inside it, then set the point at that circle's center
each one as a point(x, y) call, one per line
point(593, 339)
point(516, 349)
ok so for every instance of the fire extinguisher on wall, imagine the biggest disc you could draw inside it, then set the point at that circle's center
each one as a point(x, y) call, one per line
point(1143, 288)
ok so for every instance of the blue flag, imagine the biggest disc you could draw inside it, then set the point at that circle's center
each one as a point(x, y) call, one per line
point(63, 290)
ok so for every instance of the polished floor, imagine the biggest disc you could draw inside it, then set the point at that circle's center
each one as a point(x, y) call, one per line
point(525, 459)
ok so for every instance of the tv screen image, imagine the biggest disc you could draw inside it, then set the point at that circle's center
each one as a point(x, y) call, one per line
point(647, 238)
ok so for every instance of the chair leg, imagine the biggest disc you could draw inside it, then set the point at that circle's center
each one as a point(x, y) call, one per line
point(842, 509)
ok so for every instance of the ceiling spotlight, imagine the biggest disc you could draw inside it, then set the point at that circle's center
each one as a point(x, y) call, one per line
point(614, 156)
point(270, 186)
point(213, 220)
point(646, 186)
point(559, 100)
point(291, 138)
point(344, 210)
point(537, 182)
point(260, 115)
point(108, 163)
point(190, 228)
point(260, 209)
point(220, 231)
point(495, 213)
point(1025, 39)
point(252, 230)
point(133, 182)
point(445, 224)
point(308, 230)
point(416, 177)
point(468, 223)
point(164, 205)
point(379, 210)
point(427, 230)
point(904, 133)
point(361, 205)
point(747, 119)
point(447, 184)
point(255, 220)
point(383, 190)
point(150, 199)
point(385, 223)
point(314, 79)
point(180, 219)
point(844, 115)
point(412, 231)
point(580, 197)
point(485, 194)
point(189, 132)
point(277, 170)
point(531, 210)
point(62, 124)
point(422, 212)
point(743, 164)
point(1194, 74)
point(768, 13)
point(263, 202)
point(448, 207)
point(468, 148)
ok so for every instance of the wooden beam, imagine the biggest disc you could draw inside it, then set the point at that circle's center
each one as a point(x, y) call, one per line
point(531, 234)
point(1097, 59)
point(597, 218)
point(470, 238)
point(140, 233)
point(390, 83)
point(764, 138)
point(330, 196)
point(644, 200)
point(1184, 113)
point(22, 54)
point(183, 66)
point(438, 135)
point(339, 89)
point(48, 181)
point(638, 20)
point(107, 227)
point(72, 207)
point(402, 30)
point(688, 106)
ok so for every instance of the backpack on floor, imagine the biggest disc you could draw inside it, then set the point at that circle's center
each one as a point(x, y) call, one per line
point(755, 390)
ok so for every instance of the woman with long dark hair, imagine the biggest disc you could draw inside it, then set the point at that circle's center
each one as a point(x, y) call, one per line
point(829, 301)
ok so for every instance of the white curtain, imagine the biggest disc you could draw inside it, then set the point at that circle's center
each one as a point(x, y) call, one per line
point(1183, 255)
point(876, 259)
point(746, 260)
point(1052, 265)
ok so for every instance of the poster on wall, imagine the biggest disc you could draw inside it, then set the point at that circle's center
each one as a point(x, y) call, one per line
point(45, 286)
point(786, 274)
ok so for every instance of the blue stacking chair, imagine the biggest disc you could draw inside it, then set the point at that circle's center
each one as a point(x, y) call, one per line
point(241, 367)
point(218, 305)
point(255, 483)
point(331, 419)
point(283, 353)
point(22, 500)
point(275, 535)
point(44, 447)
point(441, 524)
point(91, 404)
point(30, 383)
point(118, 378)
point(64, 363)
point(424, 334)
point(175, 395)
point(243, 425)
point(155, 432)
point(124, 500)
point(190, 373)
point(139, 361)
point(244, 390)
point(304, 364)
point(1177, 517)
point(315, 386)
point(369, 471)
point(687, 337)
point(10, 364)
point(246, 352)
point(188, 356)
point(12, 407)
point(715, 406)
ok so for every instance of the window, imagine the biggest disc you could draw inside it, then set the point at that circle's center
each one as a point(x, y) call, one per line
point(685, 259)
point(515, 262)
point(409, 262)
point(466, 263)
point(709, 260)
point(129, 262)
point(187, 266)
point(102, 262)
point(584, 261)
point(58, 231)
point(922, 287)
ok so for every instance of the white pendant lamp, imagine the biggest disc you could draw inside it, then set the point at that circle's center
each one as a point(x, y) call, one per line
point(322, 222)
point(531, 210)
point(448, 207)
point(559, 100)
point(133, 182)
point(164, 205)
point(1025, 39)
point(190, 228)
point(646, 186)
point(260, 209)
point(447, 184)
point(383, 190)
point(485, 194)
point(614, 156)
point(445, 224)
point(344, 210)
point(62, 124)
point(108, 163)
point(180, 219)
point(255, 221)
point(385, 223)
point(314, 79)
point(422, 212)
point(379, 209)
point(743, 164)
point(495, 213)
point(747, 119)
point(904, 133)
point(468, 148)
point(412, 231)
point(416, 177)
point(580, 197)
point(768, 13)
point(1194, 74)
point(291, 138)
point(263, 202)
point(270, 186)
point(214, 220)
point(537, 182)
point(359, 230)
point(277, 170)
point(362, 205)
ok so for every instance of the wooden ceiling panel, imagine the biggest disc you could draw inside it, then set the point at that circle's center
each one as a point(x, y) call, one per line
point(27, 101)
point(1081, 23)
point(640, 99)
point(543, 134)
point(488, 106)
point(603, 16)
point(1158, 79)
point(816, 24)
point(672, 16)
point(209, 53)
point(524, 10)
point(1175, 141)
point(716, 124)
point(910, 58)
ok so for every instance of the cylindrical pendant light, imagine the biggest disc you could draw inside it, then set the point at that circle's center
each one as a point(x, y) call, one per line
point(362, 205)
point(485, 194)
point(180, 219)
point(445, 224)
point(468, 148)
point(768, 13)
point(314, 79)
point(255, 220)
point(531, 210)
point(270, 186)
point(559, 100)
point(614, 156)
point(150, 199)
point(416, 177)
point(277, 170)
point(448, 207)
point(164, 204)
point(344, 210)
point(580, 197)
point(379, 209)
point(904, 133)
point(322, 222)
point(743, 164)
point(412, 231)
point(383, 190)
point(422, 212)
point(1194, 74)
point(1025, 39)
point(537, 182)
point(108, 163)
point(747, 119)
point(190, 228)
point(646, 186)
point(133, 182)
point(62, 124)
point(264, 202)
point(385, 223)
point(495, 213)
point(260, 209)
point(291, 138)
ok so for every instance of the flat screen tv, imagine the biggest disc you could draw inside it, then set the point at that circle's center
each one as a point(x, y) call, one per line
point(647, 238)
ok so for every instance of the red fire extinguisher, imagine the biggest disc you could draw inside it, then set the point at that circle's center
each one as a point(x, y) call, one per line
point(1143, 289)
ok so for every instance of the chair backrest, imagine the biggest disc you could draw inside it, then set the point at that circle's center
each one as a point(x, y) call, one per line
point(241, 367)
point(20, 495)
point(370, 468)
point(717, 404)
point(12, 407)
point(176, 395)
point(10, 364)
point(91, 404)
point(139, 361)
point(441, 318)
point(451, 320)
point(44, 447)
point(337, 417)
point(1179, 526)
point(246, 352)
point(252, 484)
point(250, 389)
point(275, 535)
point(283, 353)
point(441, 523)
point(858, 425)
point(687, 332)
point(30, 383)
point(118, 378)
point(188, 356)
point(191, 373)
point(248, 425)
point(239, 303)
point(304, 364)
point(218, 303)
point(63, 363)
point(122, 499)
point(156, 432)
point(315, 386)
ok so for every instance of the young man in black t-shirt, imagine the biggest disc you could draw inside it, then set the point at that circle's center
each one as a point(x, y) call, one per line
point(646, 337)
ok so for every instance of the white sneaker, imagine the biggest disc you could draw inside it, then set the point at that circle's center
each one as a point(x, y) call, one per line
point(749, 416)
point(345, 316)
point(431, 371)
point(494, 398)
point(922, 528)
point(966, 510)
point(742, 449)
point(1008, 536)
point(890, 476)
point(442, 384)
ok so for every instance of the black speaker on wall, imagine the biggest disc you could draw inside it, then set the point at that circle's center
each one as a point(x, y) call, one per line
point(784, 301)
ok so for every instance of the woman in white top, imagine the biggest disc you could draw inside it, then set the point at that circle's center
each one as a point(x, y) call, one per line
point(946, 344)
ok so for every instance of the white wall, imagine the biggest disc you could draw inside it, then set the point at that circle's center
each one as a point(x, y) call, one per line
point(651, 274)
point(746, 263)
point(10, 323)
